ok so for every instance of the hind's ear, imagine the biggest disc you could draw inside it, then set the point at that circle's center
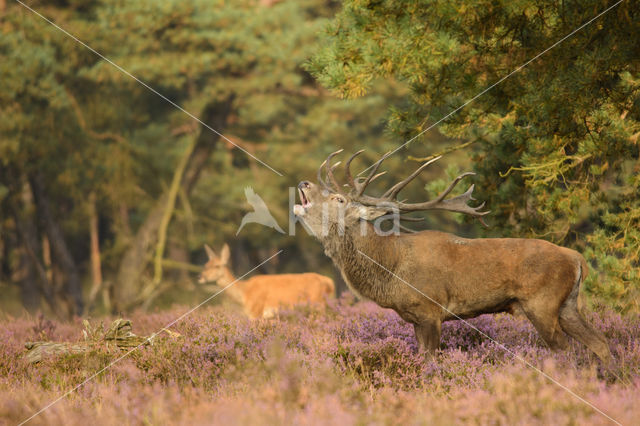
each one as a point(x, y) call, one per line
point(225, 253)
point(210, 253)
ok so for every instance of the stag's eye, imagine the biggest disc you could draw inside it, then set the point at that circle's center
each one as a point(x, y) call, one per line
point(338, 199)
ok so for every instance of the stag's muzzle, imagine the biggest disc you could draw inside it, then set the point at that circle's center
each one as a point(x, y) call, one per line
point(301, 209)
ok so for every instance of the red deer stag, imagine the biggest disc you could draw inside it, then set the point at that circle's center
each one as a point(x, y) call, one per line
point(263, 295)
point(462, 278)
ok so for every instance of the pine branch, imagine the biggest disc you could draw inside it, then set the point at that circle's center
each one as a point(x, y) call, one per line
point(444, 151)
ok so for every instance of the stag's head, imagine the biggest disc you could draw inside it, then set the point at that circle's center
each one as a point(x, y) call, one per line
point(321, 208)
point(216, 267)
point(330, 205)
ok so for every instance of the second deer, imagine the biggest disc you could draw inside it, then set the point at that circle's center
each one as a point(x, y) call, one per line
point(262, 295)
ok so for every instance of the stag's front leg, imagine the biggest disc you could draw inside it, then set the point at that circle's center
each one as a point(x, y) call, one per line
point(428, 335)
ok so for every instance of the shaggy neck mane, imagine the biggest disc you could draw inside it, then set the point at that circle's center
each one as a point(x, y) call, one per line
point(361, 274)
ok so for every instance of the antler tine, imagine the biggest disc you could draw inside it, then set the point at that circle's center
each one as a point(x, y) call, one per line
point(453, 185)
point(405, 229)
point(359, 179)
point(411, 219)
point(320, 180)
point(395, 189)
point(347, 170)
point(377, 176)
point(334, 181)
point(459, 203)
point(329, 170)
point(456, 204)
point(375, 167)
point(389, 199)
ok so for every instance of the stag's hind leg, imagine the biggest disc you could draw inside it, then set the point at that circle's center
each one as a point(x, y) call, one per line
point(545, 320)
point(576, 326)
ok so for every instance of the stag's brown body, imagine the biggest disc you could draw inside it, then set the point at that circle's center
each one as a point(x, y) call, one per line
point(430, 277)
point(262, 296)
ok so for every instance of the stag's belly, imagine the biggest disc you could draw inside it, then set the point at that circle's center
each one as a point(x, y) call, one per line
point(467, 297)
point(463, 312)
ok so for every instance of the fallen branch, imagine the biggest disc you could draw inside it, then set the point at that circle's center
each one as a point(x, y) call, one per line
point(119, 336)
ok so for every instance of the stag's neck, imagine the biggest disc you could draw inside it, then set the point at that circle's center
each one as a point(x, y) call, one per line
point(356, 256)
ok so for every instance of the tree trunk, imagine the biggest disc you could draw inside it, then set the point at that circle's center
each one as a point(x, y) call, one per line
point(123, 217)
point(29, 289)
point(135, 260)
point(96, 269)
point(59, 246)
point(172, 195)
point(21, 208)
point(46, 258)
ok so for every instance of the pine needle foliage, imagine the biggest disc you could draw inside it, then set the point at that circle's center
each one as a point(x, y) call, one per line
point(558, 149)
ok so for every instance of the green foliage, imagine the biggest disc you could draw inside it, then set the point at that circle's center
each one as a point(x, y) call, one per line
point(557, 152)
point(556, 144)
point(91, 129)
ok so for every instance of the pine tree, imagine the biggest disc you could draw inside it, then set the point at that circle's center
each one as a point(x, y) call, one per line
point(554, 145)
point(110, 139)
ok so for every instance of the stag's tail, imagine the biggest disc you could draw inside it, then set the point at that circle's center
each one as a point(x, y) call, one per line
point(573, 323)
point(582, 275)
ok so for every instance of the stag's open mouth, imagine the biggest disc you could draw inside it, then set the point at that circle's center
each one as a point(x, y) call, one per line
point(298, 209)
point(305, 201)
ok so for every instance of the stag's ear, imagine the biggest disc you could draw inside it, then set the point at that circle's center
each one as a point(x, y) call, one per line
point(370, 213)
point(210, 253)
point(225, 253)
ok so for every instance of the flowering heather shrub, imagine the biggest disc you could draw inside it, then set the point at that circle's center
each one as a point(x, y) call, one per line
point(347, 363)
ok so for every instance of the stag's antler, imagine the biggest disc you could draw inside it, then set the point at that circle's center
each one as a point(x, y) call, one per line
point(390, 197)
point(334, 185)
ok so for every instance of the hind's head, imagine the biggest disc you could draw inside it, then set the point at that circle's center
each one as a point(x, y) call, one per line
point(216, 267)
